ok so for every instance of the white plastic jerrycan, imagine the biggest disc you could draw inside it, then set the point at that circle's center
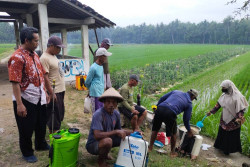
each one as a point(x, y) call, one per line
point(133, 152)
point(197, 146)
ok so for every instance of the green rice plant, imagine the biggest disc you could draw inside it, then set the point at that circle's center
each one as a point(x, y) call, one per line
point(125, 57)
point(208, 85)
point(155, 76)
point(242, 78)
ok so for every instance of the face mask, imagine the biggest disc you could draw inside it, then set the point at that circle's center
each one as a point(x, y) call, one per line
point(224, 90)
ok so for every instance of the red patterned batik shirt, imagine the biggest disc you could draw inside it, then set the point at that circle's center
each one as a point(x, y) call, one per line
point(25, 68)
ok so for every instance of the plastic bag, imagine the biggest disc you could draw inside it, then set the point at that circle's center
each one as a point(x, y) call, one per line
point(87, 105)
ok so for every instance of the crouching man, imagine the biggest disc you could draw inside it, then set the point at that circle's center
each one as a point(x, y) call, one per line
point(105, 131)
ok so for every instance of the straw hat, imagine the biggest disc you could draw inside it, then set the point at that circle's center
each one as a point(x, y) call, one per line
point(111, 93)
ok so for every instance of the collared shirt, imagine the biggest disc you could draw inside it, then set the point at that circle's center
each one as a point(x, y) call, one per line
point(104, 122)
point(25, 68)
point(178, 102)
point(95, 80)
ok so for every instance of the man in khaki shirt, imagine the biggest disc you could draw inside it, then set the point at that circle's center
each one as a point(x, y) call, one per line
point(133, 112)
point(54, 72)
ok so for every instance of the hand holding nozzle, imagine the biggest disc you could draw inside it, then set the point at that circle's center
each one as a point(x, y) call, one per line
point(53, 83)
point(52, 95)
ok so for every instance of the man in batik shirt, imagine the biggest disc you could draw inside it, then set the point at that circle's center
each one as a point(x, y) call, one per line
point(29, 98)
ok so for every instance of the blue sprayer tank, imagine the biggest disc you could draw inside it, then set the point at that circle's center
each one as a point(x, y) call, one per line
point(133, 152)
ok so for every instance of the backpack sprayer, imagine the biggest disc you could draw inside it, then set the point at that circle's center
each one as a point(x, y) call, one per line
point(63, 144)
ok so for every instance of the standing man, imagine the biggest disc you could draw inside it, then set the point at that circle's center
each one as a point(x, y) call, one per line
point(54, 71)
point(106, 43)
point(105, 131)
point(169, 106)
point(95, 78)
point(133, 112)
point(29, 97)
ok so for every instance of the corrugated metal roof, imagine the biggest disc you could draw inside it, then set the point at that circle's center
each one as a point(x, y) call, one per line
point(68, 9)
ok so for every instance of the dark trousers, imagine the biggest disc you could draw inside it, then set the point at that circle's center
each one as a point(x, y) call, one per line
point(59, 111)
point(34, 121)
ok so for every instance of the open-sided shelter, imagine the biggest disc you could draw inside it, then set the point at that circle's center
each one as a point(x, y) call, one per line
point(53, 16)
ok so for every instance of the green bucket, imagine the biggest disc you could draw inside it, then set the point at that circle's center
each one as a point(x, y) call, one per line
point(64, 148)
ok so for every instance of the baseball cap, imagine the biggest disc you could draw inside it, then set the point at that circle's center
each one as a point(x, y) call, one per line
point(194, 93)
point(135, 77)
point(107, 41)
point(102, 51)
point(56, 41)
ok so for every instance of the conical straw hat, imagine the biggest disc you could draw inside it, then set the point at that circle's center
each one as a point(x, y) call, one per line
point(112, 93)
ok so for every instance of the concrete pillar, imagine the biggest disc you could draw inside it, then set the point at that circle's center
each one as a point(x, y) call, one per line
point(20, 24)
point(17, 35)
point(85, 47)
point(29, 20)
point(44, 26)
point(40, 42)
point(64, 40)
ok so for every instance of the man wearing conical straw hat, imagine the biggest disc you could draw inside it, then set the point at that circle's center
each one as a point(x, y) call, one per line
point(105, 130)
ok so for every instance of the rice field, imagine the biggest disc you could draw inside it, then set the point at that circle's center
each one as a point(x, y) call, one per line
point(181, 67)
point(130, 56)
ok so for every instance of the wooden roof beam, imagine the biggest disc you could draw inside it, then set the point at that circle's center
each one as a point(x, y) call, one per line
point(13, 10)
point(27, 1)
point(33, 8)
point(7, 20)
point(87, 12)
point(9, 17)
point(58, 28)
point(86, 21)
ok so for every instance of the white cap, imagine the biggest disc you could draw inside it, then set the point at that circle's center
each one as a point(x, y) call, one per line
point(103, 51)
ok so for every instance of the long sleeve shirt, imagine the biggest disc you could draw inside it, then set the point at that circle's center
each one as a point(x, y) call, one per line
point(95, 80)
point(178, 102)
point(127, 94)
point(232, 125)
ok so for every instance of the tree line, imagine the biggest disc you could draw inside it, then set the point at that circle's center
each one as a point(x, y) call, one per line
point(229, 31)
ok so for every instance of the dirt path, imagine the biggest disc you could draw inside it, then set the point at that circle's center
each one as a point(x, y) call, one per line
point(10, 154)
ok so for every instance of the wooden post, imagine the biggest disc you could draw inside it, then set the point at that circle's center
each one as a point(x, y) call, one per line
point(64, 40)
point(96, 38)
point(85, 47)
point(44, 27)
point(17, 35)
point(29, 20)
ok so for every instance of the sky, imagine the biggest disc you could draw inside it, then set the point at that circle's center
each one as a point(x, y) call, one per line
point(129, 12)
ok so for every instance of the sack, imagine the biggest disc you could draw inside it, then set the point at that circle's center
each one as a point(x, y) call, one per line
point(87, 105)
point(186, 146)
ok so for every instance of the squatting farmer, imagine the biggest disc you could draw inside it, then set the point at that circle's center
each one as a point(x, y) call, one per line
point(105, 131)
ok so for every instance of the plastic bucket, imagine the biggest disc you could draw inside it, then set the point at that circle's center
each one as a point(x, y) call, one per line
point(181, 128)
